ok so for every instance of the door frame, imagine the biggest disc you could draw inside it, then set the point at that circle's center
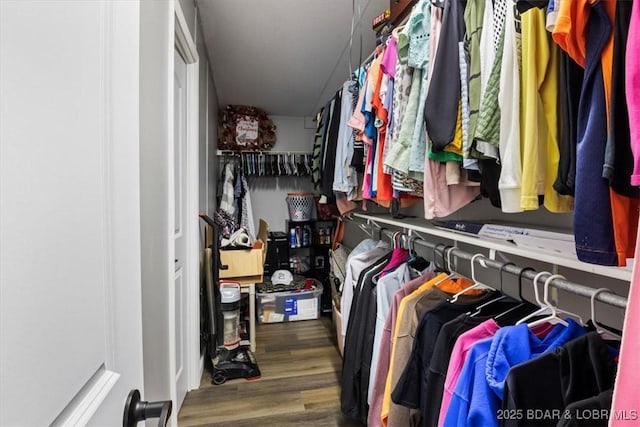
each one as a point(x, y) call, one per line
point(186, 46)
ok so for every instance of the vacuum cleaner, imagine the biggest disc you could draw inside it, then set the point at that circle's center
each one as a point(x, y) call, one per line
point(230, 359)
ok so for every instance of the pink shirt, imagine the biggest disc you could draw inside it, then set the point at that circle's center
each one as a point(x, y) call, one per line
point(633, 89)
point(458, 356)
point(626, 399)
point(357, 120)
point(398, 256)
point(440, 199)
point(390, 58)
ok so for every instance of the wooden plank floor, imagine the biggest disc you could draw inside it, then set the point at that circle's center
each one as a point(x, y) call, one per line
point(300, 384)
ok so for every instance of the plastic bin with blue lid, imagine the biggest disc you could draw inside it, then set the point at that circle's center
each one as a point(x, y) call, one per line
point(287, 298)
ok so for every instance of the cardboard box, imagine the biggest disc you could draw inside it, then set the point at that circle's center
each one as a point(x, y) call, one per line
point(246, 265)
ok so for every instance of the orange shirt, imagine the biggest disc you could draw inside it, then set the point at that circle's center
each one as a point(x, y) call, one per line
point(569, 30)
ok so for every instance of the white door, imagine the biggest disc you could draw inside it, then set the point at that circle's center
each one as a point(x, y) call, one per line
point(180, 290)
point(70, 293)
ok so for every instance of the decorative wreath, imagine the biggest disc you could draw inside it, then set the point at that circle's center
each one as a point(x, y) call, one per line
point(244, 128)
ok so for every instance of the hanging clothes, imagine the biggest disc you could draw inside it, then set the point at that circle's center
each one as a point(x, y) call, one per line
point(539, 118)
point(625, 397)
point(353, 395)
point(317, 150)
point(442, 104)
point(459, 354)
point(410, 311)
point(354, 267)
point(328, 164)
point(488, 45)
point(593, 222)
point(387, 287)
point(624, 208)
point(431, 390)
point(441, 199)
point(375, 405)
point(632, 83)
point(430, 393)
point(618, 165)
point(580, 369)
point(419, 25)
point(480, 388)
point(345, 179)
point(384, 189)
point(571, 78)
point(228, 190)
point(422, 382)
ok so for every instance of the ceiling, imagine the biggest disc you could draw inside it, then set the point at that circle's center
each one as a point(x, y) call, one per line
point(287, 57)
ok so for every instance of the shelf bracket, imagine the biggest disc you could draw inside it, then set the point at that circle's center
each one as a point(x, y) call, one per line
point(413, 232)
point(373, 225)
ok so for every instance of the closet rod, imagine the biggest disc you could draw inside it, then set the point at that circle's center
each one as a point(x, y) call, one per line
point(562, 284)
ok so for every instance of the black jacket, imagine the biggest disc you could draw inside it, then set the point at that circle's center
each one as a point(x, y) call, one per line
point(538, 391)
point(357, 349)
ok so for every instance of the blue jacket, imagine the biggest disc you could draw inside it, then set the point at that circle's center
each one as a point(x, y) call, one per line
point(480, 388)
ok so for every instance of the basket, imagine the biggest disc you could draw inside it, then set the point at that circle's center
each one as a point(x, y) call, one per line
point(300, 206)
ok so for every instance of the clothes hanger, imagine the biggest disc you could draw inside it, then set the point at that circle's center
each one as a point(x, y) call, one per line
point(604, 333)
point(542, 307)
point(395, 33)
point(394, 245)
point(476, 283)
point(366, 230)
point(502, 297)
point(395, 240)
point(554, 315)
point(292, 164)
point(559, 310)
point(411, 248)
point(267, 164)
point(287, 165)
point(524, 308)
point(452, 274)
point(415, 261)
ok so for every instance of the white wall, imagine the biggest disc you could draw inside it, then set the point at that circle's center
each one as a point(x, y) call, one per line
point(208, 113)
point(191, 16)
point(156, 62)
point(212, 142)
point(268, 193)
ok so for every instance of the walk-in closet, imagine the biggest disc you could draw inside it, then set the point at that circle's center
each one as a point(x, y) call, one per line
point(478, 157)
point(475, 165)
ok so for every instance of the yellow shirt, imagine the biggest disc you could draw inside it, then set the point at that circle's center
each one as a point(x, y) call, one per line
point(455, 146)
point(539, 116)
